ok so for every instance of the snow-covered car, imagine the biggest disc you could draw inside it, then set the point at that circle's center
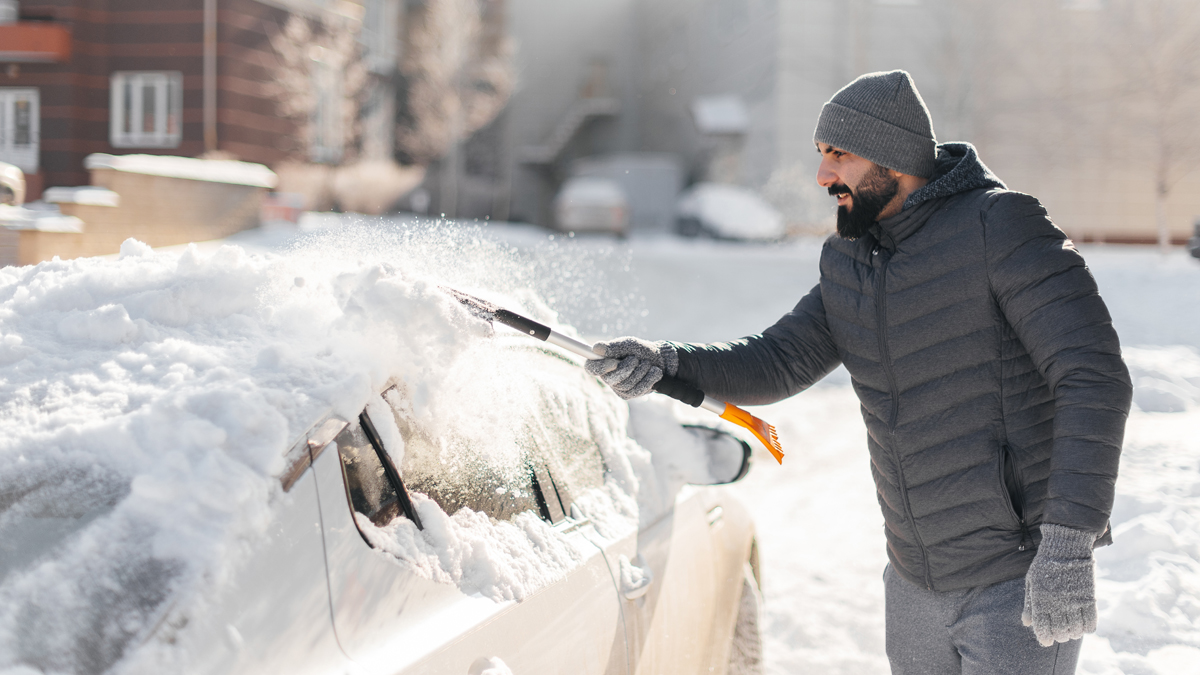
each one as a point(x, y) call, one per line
point(202, 471)
point(726, 211)
point(591, 204)
point(663, 598)
point(12, 185)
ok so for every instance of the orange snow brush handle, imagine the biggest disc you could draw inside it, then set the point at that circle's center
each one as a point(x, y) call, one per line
point(669, 386)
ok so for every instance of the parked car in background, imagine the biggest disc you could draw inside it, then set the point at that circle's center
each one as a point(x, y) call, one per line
point(723, 211)
point(1194, 242)
point(12, 185)
point(591, 204)
point(650, 181)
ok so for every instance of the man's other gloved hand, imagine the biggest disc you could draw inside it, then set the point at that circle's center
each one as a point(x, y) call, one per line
point(631, 366)
point(1060, 587)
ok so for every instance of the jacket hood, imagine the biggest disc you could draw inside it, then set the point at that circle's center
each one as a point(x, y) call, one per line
point(956, 169)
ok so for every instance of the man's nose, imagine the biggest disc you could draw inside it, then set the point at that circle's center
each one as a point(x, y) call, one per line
point(825, 175)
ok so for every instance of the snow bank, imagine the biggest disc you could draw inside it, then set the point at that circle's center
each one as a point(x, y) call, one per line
point(213, 170)
point(1148, 582)
point(146, 401)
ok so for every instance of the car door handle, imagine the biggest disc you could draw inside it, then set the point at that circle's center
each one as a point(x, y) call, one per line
point(715, 514)
point(635, 579)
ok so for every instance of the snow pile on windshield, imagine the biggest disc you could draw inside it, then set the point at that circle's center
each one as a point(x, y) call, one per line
point(146, 402)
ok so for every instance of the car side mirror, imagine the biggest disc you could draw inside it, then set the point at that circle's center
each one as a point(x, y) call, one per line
point(728, 457)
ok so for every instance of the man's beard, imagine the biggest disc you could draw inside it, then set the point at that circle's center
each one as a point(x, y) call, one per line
point(878, 187)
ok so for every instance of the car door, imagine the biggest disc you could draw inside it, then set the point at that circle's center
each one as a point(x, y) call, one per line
point(694, 555)
point(271, 614)
point(669, 622)
point(391, 618)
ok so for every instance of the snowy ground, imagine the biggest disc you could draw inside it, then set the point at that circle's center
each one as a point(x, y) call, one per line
point(819, 523)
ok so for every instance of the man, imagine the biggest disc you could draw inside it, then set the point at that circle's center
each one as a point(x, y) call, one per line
point(990, 378)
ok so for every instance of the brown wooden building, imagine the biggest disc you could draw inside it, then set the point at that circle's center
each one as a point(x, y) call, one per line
point(177, 77)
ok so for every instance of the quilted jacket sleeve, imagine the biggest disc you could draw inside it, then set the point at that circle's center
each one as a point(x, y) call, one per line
point(785, 359)
point(1049, 297)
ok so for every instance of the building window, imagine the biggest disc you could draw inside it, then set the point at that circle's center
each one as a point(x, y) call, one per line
point(19, 119)
point(146, 109)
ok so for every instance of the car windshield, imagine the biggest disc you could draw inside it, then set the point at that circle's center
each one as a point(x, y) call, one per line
point(456, 473)
point(547, 454)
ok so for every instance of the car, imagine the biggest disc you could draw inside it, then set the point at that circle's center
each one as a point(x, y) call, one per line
point(568, 532)
point(662, 598)
point(731, 212)
point(591, 204)
point(1194, 242)
point(12, 185)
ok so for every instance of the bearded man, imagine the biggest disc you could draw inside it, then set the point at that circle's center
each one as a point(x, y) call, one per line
point(990, 378)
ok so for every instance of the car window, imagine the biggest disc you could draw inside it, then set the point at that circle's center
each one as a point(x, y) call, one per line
point(450, 472)
point(370, 491)
point(552, 459)
point(373, 484)
point(570, 454)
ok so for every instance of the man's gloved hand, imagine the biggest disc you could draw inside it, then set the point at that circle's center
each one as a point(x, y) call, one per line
point(631, 365)
point(1060, 587)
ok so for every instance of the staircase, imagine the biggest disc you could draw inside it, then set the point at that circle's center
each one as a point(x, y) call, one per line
point(584, 110)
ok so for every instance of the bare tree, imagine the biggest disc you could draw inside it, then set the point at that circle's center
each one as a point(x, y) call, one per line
point(1153, 50)
point(458, 68)
point(319, 81)
point(1114, 86)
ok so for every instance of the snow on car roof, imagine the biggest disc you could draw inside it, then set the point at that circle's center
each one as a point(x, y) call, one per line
point(146, 401)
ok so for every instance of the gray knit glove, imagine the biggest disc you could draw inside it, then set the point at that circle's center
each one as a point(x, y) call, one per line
point(1060, 587)
point(631, 365)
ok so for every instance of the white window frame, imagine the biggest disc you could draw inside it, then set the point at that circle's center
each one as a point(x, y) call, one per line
point(24, 156)
point(168, 103)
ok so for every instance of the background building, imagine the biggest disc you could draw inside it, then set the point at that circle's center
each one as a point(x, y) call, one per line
point(1088, 104)
point(315, 89)
point(482, 108)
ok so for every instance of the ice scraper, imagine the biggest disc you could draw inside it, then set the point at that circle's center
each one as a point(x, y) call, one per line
point(673, 387)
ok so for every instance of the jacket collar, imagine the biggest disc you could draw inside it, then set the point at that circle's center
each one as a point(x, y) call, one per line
point(889, 232)
point(957, 169)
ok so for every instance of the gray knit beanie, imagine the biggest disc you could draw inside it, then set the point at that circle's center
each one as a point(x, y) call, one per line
point(881, 117)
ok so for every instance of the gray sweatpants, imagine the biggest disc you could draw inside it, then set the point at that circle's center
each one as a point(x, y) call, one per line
point(973, 631)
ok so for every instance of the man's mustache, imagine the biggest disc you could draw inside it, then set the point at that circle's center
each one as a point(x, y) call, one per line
point(839, 189)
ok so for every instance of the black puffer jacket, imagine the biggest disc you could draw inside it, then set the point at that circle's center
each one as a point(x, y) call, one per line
point(988, 369)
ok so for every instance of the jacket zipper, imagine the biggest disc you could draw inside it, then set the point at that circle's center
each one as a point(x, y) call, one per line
point(1007, 460)
point(886, 361)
